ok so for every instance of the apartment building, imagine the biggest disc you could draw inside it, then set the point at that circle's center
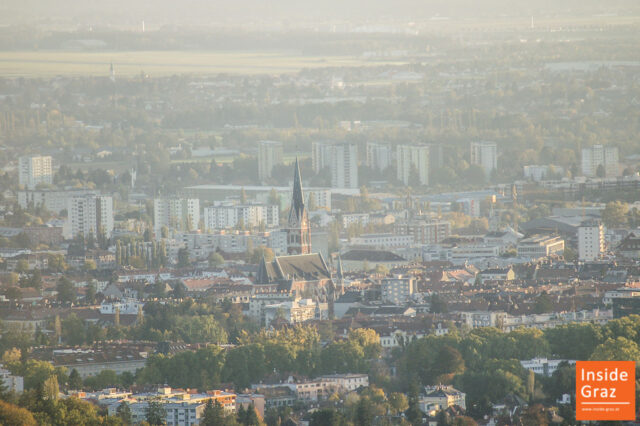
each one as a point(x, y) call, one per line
point(34, 170)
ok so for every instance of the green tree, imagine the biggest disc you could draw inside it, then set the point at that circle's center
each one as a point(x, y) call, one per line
point(66, 291)
point(183, 257)
point(398, 402)
point(156, 414)
point(327, 417)
point(213, 414)
point(12, 415)
point(75, 381)
point(124, 412)
point(618, 349)
point(215, 259)
point(615, 214)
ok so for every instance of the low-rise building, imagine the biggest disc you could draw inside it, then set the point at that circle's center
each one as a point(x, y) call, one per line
point(436, 398)
point(543, 366)
point(538, 246)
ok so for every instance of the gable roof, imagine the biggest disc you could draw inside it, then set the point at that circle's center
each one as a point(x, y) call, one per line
point(309, 267)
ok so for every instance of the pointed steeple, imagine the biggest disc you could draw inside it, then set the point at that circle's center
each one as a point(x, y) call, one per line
point(298, 234)
point(339, 271)
point(297, 199)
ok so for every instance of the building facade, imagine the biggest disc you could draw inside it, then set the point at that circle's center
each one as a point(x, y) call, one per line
point(182, 214)
point(269, 155)
point(412, 158)
point(600, 161)
point(590, 240)
point(485, 155)
point(35, 170)
point(90, 215)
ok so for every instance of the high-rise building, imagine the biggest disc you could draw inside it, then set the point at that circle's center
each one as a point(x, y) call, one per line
point(590, 240)
point(34, 170)
point(344, 166)
point(250, 215)
point(182, 214)
point(298, 233)
point(90, 214)
point(413, 157)
point(485, 155)
point(269, 155)
point(397, 290)
point(321, 153)
point(600, 161)
point(379, 156)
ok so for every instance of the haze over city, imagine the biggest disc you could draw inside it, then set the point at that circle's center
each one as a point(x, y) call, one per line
point(319, 213)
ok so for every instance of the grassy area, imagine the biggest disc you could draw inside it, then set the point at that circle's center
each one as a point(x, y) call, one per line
point(158, 63)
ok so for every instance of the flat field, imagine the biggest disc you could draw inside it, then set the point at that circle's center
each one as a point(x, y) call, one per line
point(48, 63)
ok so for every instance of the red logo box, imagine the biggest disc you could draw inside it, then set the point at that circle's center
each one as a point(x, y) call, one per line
point(605, 390)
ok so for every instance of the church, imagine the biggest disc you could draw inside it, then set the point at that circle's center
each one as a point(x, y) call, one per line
point(301, 273)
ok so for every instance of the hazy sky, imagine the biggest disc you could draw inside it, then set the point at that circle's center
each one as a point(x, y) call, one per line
point(241, 12)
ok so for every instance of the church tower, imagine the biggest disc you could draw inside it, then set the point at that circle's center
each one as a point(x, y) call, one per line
point(298, 234)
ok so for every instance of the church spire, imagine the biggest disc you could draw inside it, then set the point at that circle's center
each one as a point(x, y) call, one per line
point(298, 234)
point(297, 199)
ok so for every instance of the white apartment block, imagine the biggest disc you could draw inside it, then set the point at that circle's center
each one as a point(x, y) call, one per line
point(485, 155)
point(470, 252)
point(397, 290)
point(321, 197)
point(269, 155)
point(412, 157)
point(321, 153)
point(424, 231)
point(176, 213)
point(11, 382)
point(201, 245)
point(598, 155)
point(351, 218)
point(378, 156)
point(34, 170)
point(90, 214)
point(590, 240)
point(538, 246)
point(383, 241)
point(250, 215)
point(543, 366)
point(293, 311)
point(52, 200)
point(344, 166)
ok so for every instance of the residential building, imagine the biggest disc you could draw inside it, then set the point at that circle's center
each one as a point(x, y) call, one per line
point(539, 173)
point(382, 241)
point(497, 274)
point(90, 214)
point(485, 155)
point(321, 154)
point(182, 408)
point(590, 240)
point(349, 219)
point(269, 155)
point(11, 382)
point(224, 216)
point(477, 319)
point(538, 246)
point(344, 166)
point(378, 156)
point(321, 198)
point(201, 245)
point(34, 170)
point(600, 161)
point(620, 293)
point(182, 214)
point(398, 289)
point(294, 311)
point(430, 231)
point(543, 366)
point(413, 158)
point(436, 398)
point(630, 246)
point(54, 201)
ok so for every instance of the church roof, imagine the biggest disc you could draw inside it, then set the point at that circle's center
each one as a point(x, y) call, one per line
point(310, 267)
point(297, 199)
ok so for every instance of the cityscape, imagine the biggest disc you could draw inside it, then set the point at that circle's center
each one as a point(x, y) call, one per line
point(319, 213)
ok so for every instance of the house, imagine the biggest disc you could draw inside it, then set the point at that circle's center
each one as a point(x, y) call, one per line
point(496, 274)
point(629, 246)
point(361, 259)
point(436, 398)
